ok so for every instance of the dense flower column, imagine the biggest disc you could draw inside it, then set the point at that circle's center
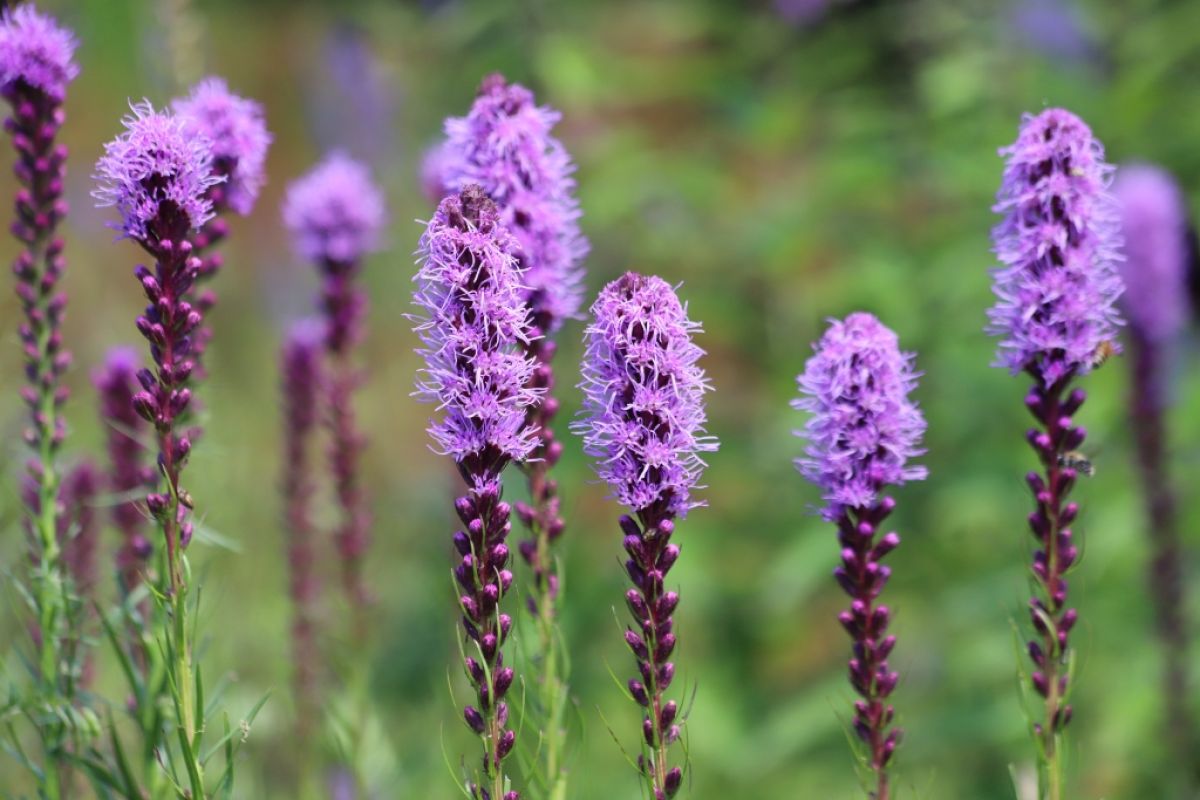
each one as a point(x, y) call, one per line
point(1155, 226)
point(862, 432)
point(474, 327)
point(301, 368)
point(643, 422)
point(238, 132)
point(125, 434)
point(36, 64)
point(335, 214)
point(1056, 316)
point(157, 176)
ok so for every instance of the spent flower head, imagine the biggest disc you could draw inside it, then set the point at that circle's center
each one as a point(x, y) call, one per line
point(335, 212)
point(864, 429)
point(238, 133)
point(157, 174)
point(643, 416)
point(37, 51)
point(1058, 245)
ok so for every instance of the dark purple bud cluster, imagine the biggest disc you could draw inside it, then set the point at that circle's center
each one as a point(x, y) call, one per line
point(1054, 440)
point(483, 575)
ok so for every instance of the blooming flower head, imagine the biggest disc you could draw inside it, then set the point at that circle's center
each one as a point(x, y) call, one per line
point(1155, 226)
point(335, 212)
point(1058, 246)
point(157, 174)
point(863, 428)
point(472, 325)
point(238, 133)
point(34, 49)
point(643, 416)
point(504, 145)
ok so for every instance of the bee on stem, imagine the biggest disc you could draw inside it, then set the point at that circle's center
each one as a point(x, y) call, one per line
point(1077, 461)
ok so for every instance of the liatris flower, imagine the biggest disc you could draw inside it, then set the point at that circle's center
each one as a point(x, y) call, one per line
point(643, 422)
point(474, 327)
point(36, 64)
point(116, 383)
point(79, 534)
point(302, 377)
point(863, 431)
point(158, 175)
point(335, 213)
point(239, 140)
point(1056, 314)
point(1157, 253)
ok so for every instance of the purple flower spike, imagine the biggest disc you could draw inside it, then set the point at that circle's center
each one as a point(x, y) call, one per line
point(504, 145)
point(862, 431)
point(643, 422)
point(335, 214)
point(1058, 244)
point(301, 366)
point(473, 325)
point(1154, 220)
point(859, 374)
point(36, 53)
point(125, 432)
point(1058, 287)
point(157, 174)
point(238, 132)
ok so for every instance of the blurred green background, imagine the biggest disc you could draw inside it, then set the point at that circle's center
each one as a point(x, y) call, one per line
point(785, 162)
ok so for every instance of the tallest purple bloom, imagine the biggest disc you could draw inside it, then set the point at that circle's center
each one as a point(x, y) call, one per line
point(1056, 314)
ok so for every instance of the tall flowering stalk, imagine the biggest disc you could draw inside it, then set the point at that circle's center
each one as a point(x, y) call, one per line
point(158, 177)
point(474, 328)
point(125, 431)
point(36, 64)
point(335, 214)
point(79, 535)
point(301, 368)
point(505, 146)
point(1157, 253)
point(862, 432)
point(238, 134)
point(643, 422)
point(1056, 314)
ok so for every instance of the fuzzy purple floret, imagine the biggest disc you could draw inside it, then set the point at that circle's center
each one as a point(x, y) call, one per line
point(864, 428)
point(1058, 245)
point(34, 49)
point(1154, 223)
point(335, 212)
point(473, 325)
point(238, 132)
point(155, 163)
point(504, 145)
point(643, 416)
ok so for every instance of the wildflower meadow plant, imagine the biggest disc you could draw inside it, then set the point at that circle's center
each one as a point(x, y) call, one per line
point(158, 174)
point(643, 422)
point(1056, 316)
point(505, 146)
point(863, 431)
point(1154, 222)
point(36, 65)
point(335, 214)
point(474, 329)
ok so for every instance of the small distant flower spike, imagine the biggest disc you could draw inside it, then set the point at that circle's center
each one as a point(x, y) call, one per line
point(126, 433)
point(1058, 286)
point(473, 326)
point(1058, 245)
point(643, 423)
point(862, 431)
point(302, 370)
point(36, 65)
point(1158, 253)
point(335, 214)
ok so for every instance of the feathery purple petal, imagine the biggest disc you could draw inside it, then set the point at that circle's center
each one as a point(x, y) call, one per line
point(34, 49)
point(335, 212)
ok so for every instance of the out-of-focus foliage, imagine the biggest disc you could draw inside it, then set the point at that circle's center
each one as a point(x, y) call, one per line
point(782, 173)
